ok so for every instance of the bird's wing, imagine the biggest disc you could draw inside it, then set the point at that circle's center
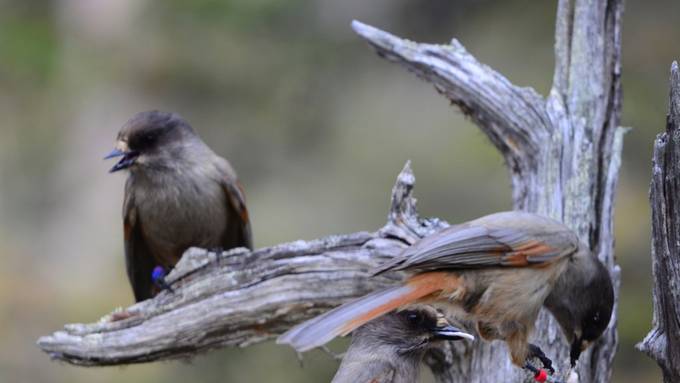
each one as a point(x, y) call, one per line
point(237, 232)
point(139, 261)
point(373, 371)
point(346, 318)
point(512, 239)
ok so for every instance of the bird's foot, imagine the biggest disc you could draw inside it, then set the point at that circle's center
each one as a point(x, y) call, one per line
point(158, 279)
point(536, 352)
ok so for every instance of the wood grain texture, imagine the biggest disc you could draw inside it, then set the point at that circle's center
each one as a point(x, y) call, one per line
point(663, 341)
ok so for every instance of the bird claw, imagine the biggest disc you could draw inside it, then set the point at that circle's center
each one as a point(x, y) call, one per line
point(536, 352)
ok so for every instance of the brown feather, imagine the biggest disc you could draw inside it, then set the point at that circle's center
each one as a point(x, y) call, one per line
point(424, 285)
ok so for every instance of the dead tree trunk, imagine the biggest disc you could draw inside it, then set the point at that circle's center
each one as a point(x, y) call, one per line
point(663, 342)
point(563, 154)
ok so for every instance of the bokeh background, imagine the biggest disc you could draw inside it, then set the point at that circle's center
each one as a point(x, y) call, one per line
point(315, 123)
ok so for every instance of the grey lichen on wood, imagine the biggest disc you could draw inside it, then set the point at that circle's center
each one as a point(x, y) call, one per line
point(239, 297)
point(663, 341)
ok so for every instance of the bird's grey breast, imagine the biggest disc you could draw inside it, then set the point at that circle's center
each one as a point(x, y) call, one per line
point(181, 208)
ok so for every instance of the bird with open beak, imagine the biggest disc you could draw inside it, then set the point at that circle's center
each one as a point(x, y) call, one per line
point(389, 349)
point(178, 194)
point(496, 271)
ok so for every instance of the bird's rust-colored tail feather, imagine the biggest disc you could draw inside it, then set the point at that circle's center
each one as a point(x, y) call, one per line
point(346, 318)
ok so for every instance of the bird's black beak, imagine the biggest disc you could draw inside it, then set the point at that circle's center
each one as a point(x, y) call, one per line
point(575, 352)
point(448, 332)
point(125, 162)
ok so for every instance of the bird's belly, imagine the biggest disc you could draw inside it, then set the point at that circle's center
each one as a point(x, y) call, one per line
point(515, 295)
point(498, 297)
point(173, 222)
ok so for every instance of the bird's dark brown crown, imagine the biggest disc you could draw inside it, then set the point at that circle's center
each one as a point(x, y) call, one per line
point(149, 130)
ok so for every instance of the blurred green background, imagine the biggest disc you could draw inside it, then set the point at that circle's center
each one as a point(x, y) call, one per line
point(315, 123)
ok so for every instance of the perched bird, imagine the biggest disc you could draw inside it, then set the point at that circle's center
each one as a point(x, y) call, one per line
point(496, 271)
point(390, 348)
point(178, 194)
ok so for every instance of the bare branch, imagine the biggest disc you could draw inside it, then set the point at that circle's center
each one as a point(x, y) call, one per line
point(243, 297)
point(514, 118)
point(662, 343)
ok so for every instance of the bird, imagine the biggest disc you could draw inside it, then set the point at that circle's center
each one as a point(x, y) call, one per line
point(497, 272)
point(178, 194)
point(390, 348)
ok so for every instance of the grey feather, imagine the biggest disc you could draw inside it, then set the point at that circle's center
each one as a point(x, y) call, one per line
point(486, 242)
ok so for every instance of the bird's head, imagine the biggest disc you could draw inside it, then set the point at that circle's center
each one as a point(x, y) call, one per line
point(595, 311)
point(412, 330)
point(151, 139)
point(582, 301)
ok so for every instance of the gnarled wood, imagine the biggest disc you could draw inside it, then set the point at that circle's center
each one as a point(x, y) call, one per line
point(663, 341)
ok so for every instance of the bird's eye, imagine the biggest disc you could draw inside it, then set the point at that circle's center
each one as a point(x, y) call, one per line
point(414, 319)
point(149, 138)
